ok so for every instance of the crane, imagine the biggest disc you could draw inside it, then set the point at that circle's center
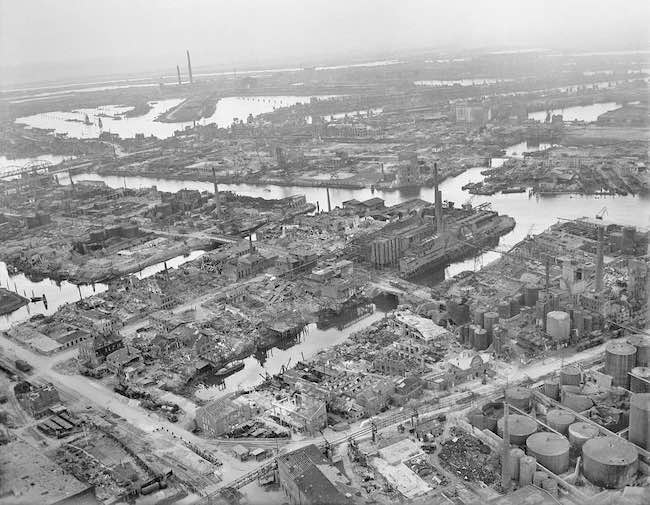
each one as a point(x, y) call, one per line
point(601, 213)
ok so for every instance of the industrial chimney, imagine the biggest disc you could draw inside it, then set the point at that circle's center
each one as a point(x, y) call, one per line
point(599, 258)
point(178, 71)
point(438, 199)
point(189, 67)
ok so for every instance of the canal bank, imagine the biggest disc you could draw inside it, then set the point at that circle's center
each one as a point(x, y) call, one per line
point(58, 294)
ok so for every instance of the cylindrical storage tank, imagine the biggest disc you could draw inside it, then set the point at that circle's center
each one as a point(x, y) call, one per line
point(520, 428)
point(551, 451)
point(464, 334)
point(482, 422)
point(504, 310)
point(531, 295)
point(519, 397)
point(578, 321)
point(481, 339)
point(640, 420)
point(587, 323)
point(620, 358)
point(527, 466)
point(609, 462)
point(574, 399)
point(640, 379)
point(515, 457)
point(570, 376)
point(560, 420)
point(539, 478)
point(558, 325)
point(642, 344)
point(552, 388)
point(551, 487)
point(490, 320)
point(580, 432)
point(478, 317)
point(514, 306)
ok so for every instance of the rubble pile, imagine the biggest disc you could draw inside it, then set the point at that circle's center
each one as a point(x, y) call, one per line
point(469, 458)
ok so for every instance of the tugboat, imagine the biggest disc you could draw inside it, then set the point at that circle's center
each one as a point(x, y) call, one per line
point(229, 369)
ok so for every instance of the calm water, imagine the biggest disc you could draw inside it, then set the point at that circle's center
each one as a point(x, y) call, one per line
point(532, 214)
point(59, 294)
point(9, 165)
point(479, 81)
point(586, 113)
point(226, 110)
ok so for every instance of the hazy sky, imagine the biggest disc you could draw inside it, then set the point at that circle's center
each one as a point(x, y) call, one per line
point(152, 34)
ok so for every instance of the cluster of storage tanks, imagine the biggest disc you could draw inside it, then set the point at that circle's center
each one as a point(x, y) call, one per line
point(607, 461)
point(628, 363)
point(480, 327)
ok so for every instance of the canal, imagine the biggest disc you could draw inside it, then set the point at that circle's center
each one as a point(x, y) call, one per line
point(61, 293)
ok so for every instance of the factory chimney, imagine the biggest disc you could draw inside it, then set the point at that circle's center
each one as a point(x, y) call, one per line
point(178, 71)
point(505, 463)
point(329, 204)
point(599, 259)
point(216, 193)
point(189, 67)
point(438, 199)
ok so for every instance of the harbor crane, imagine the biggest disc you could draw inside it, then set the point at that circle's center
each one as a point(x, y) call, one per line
point(601, 213)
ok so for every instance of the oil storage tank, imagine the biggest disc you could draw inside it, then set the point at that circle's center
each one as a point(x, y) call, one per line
point(531, 295)
point(552, 388)
point(490, 320)
point(642, 345)
point(620, 358)
point(520, 428)
point(609, 462)
point(640, 379)
point(570, 376)
point(640, 420)
point(580, 432)
point(519, 397)
point(560, 420)
point(527, 466)
point(574, 398)
point(550, 449)
point(482, 339)
point(558, 325)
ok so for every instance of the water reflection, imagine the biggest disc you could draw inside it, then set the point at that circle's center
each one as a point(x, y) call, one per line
point(74, 123)
point(311, 341)
point(61, 293)
point(587, 113)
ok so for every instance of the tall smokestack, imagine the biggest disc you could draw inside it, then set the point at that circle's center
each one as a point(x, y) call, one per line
point(329, 204)
point(178, 71)
point(438, 199)
point(216, 193)
point(189, 67)
point(599, 259)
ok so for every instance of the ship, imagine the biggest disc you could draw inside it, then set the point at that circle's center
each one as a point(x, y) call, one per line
point(514, 189)
point(229, 369)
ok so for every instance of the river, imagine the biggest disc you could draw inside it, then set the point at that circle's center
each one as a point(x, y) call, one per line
point(227, 109)
point(9, 164)
point(587, 113)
